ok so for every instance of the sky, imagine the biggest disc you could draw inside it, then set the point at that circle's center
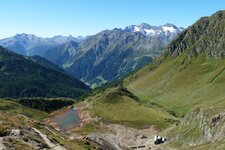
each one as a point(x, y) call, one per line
point(47, 18)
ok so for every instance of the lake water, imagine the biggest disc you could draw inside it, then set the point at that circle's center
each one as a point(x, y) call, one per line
point(67, 119)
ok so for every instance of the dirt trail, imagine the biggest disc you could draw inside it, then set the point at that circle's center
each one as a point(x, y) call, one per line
point(53, 146)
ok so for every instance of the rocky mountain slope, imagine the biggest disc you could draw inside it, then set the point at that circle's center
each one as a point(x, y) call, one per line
point(111, 54)
point(205, 36)
point(59, 55)
point(23, 77)
point(29, 44)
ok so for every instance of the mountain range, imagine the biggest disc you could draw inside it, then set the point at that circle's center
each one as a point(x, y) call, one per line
point(112, 54)
point(29, 44)
point(99, 58)
point(179, 96)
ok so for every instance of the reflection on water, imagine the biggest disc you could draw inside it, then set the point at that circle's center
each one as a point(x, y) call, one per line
point(67, 119)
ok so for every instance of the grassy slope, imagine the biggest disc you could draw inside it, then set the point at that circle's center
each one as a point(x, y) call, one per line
point(16, 108)
point(185, 86)
point(218, 145)
point(115, 106)
point(179, 84)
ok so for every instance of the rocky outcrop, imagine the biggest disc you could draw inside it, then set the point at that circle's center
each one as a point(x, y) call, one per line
point(27, 137)
point(24, 136)
point(199, 126)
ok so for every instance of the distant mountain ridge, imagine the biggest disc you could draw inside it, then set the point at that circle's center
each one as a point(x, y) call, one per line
point(111, 54)
point(103, 57)
point(46, 63)
point(168, 30)
point(29, 44)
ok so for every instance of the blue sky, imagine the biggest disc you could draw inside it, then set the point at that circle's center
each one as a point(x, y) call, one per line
point(86, 17)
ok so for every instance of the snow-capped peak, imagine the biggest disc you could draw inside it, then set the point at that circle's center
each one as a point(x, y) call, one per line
point(149, 30)
point(170, 29)
point(25, 36)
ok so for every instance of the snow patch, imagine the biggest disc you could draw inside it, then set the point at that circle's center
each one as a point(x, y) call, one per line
point(170, 29)
point(137, 29)
point(150, 31)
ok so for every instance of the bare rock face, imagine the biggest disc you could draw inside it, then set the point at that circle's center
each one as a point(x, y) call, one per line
point(27, 138)
point(218, 126)
point(217, 118)
point(25, 135)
